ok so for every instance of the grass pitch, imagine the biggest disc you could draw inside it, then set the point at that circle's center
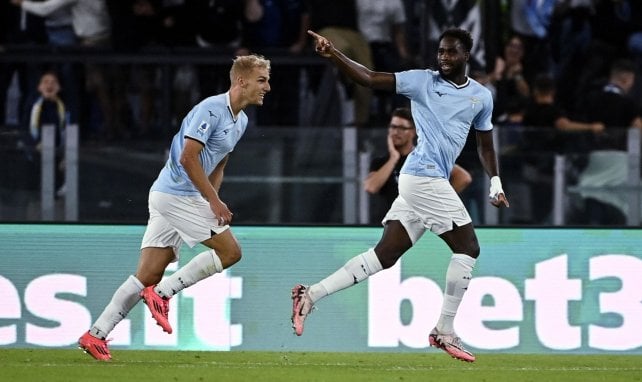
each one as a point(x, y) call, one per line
point(26, 365)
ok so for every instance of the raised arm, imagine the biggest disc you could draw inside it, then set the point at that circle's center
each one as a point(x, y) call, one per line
point(357, 72)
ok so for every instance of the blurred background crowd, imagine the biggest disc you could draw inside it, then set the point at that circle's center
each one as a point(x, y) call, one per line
point(565, 76)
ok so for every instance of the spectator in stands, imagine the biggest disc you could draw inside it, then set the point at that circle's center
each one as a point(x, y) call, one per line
point(543, 111)
point(170, 24)
point(136, 25)
point(218, 28)
point(91, 23)
point(18, 28)
point(278, 26)
point(176, 26)
point(548, 132)
point(337, 20)
point(384, 171)
point(61, 35)
point(608, 161)
point(613, 106)
point(508, 77)
point(383, 24)
point(530, 21)
point(47, 109)
point(571, 34)
point(613, 23)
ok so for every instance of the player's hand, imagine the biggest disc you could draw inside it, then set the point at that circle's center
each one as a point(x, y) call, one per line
point(499, 201)
point(322, 45)
point(496, 195)
point(222, 213)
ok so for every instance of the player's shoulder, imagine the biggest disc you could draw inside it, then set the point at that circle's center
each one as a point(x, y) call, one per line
point(427, 73)
point(474, 84)
point(219, 100)
point(213, 106)
point(478, 88)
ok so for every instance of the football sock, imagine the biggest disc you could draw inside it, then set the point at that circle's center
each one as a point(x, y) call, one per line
point(202, 266)
point(123, 300)
point(458, 277)
point(354, 271)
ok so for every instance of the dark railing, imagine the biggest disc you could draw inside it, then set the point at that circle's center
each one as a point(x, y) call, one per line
point(306, 173)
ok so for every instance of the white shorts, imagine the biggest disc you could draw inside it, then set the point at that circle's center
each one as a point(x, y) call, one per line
point(426, 203)
point(175, 219)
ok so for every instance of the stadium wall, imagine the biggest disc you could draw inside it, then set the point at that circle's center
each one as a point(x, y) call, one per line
point(534, 291)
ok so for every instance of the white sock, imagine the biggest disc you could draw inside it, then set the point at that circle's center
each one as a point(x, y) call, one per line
point(201, 266)
point(123, 300)
point(354, 271)
point(458, 277)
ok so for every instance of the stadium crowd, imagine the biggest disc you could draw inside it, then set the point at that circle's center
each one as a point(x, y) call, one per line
point(573, 41)
point(589, 50)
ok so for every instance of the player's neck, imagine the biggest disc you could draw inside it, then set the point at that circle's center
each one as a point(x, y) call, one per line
point(237, 100)
point(456, 78)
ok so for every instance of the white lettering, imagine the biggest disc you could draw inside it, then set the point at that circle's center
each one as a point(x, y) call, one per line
point(551, 290)
point(41, 300)
point(10, 308)
point(472, 314)
point(626, 302)
point(212, 311)
point(386, 292)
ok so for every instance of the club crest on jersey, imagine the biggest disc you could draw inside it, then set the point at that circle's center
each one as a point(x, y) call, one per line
point(474, 101)
point(202, 128)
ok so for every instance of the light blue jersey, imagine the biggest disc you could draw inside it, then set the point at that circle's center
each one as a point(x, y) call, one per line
point(210, 122)
point(444, 113)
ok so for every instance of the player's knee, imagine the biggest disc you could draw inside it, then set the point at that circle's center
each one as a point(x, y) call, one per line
point(387, 258)
point(473, 250)
point(149, 278)
point(230, 256)
point(469, 246)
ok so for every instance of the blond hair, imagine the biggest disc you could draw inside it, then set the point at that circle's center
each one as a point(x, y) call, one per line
point(243, 65)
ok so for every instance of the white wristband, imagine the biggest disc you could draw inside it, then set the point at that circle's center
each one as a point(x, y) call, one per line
point(495, 188)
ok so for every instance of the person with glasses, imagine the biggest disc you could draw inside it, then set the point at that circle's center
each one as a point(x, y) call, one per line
point(383, 179)
point(445, 104)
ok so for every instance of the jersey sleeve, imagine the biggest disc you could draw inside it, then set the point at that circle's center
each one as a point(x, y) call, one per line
point(410, 82)
point(482, 120)
point(202, 125)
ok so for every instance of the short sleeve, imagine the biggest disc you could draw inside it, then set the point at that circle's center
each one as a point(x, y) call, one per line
point(409, 82)
point(202, 124)
point(483, 121)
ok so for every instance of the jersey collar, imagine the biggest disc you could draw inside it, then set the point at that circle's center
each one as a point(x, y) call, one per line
point(455, 85)
point(229, 107)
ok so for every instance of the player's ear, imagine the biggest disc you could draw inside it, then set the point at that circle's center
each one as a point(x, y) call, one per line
point(241, 81)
